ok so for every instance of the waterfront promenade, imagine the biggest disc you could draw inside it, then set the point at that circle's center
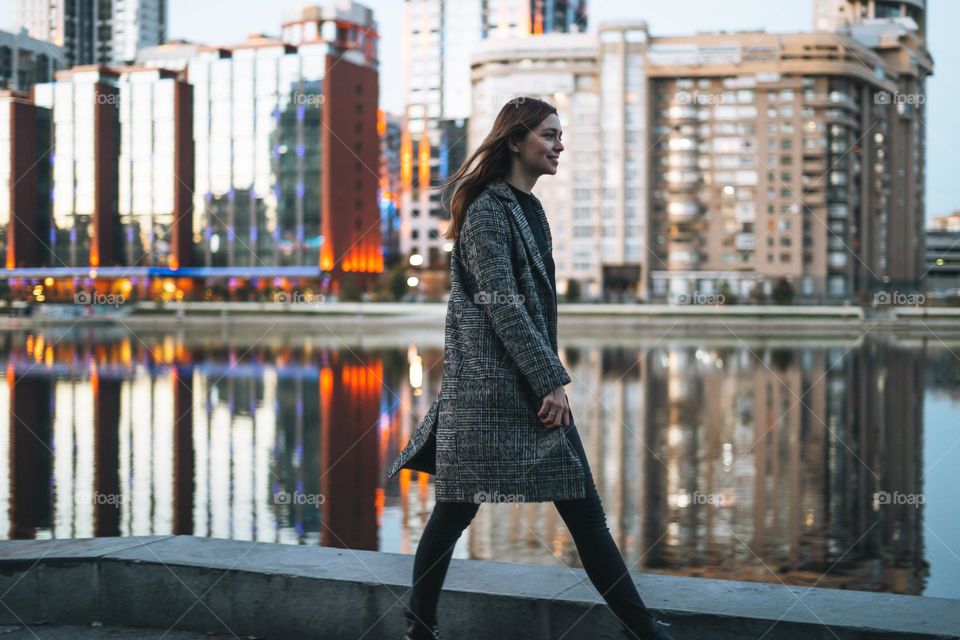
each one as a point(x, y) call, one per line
point(575, 319)
point(288, 592)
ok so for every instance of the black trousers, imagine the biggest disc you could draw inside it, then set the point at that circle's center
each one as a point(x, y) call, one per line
point(584, 518)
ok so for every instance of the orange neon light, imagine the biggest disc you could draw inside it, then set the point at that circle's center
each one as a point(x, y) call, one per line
point(424, 162)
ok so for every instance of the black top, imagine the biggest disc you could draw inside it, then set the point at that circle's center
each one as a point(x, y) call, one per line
point(533, 219)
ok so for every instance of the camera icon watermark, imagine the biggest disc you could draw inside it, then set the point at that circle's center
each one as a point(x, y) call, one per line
point(94, 297)
point(884, 498)
point(700, 98)
point(497, 297)
point(903, 298)
point(298, 498)
point(298, 297)
point(885, 97)
point(697, 298)
point(495, 496)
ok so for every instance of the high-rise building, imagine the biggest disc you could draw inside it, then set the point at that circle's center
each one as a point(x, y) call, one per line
point(286, 146)
point(732, 163)
point(795, 157)
point(25, 61)
point(257, 163)
point(105, 32)
point(597, 199)
point(25, 180)
point(563, 69)
point(625, 142)
point(155, 174)
point(122, 167)
point(439, 38)
point(86, 138)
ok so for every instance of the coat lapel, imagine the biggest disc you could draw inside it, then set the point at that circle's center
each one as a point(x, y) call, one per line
point(500, 187)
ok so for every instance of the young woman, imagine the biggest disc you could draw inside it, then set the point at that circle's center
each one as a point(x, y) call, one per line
point(501, 429)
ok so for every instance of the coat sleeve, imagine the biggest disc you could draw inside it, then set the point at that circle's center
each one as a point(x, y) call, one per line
point(485, 247)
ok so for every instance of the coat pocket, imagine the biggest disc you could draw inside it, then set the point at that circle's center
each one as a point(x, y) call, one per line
point(570, 450)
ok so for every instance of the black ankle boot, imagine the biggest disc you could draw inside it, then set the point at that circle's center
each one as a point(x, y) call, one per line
point(656, 630)
point(417, 630)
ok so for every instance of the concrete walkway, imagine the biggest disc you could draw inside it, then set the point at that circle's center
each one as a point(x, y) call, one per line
point(285, 592)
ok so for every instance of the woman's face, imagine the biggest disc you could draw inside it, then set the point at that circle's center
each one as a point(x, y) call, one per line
point(540, 150)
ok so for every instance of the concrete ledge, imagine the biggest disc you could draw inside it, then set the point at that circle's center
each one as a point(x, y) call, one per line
point(290, 592)
point(621, 320)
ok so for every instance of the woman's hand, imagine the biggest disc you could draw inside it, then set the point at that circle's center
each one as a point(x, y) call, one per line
point(555, 410)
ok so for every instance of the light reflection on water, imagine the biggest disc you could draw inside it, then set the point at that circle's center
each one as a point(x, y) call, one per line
point(765, 458)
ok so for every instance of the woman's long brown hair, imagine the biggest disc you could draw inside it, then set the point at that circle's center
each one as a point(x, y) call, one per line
point(516, 119)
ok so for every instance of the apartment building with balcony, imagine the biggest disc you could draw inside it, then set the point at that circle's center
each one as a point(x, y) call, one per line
point(788, 156)
point(734, 163)
point(759, 174)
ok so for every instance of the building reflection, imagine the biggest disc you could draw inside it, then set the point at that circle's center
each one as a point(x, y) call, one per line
point(740, 462)
point(736, 459)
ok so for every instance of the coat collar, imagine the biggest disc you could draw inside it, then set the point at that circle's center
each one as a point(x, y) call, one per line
point(502, 190)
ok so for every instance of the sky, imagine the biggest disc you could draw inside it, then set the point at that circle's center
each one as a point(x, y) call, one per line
point(229, 21)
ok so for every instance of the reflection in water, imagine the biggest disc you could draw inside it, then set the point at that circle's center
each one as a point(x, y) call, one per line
point(749, 459)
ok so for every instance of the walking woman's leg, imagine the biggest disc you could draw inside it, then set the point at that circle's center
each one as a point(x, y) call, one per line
point(601, 559)
point(434, 552)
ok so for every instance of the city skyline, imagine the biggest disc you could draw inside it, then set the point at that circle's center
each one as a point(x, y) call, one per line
point(208, 23)
point(868, 198)
point(246, 307)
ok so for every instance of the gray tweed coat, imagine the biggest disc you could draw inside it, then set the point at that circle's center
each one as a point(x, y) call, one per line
point(482, 437)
